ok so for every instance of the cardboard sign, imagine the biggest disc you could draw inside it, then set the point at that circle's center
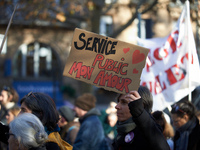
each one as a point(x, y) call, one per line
point(105, 62)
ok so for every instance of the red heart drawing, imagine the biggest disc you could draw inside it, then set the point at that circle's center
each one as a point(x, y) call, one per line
point(126, 50)
point(135, 71)
point(137, 57)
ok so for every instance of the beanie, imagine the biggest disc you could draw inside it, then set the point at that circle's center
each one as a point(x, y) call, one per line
point(86, 101)
point(67, 113)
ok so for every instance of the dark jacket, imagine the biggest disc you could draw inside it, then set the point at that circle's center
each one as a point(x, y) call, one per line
point(68, 132)
point(91, 134)
point(52, 146)
point(39, 148)
point(4, 129)
point(194, 137)
point(3, 113)
point(145, 136)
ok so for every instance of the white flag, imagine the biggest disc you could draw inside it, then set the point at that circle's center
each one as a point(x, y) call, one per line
point(172, 67)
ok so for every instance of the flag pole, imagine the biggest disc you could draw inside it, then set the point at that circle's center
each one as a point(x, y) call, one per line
point(4, 38)
point(188, 48)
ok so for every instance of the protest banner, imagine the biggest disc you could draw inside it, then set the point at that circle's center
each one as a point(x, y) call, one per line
point(105, 62)
point(172, 67)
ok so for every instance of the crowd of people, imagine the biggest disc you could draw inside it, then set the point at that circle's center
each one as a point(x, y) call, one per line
point(35, 123)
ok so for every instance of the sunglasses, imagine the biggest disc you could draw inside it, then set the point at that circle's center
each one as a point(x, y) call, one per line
point(6, 88)
point(178, 109)
point(31, 93)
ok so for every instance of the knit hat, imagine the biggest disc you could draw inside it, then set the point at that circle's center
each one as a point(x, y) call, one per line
point(86, 101)
point(67, 113)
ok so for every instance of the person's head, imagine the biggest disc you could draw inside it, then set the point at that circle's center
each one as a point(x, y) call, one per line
point(12, 113)
point(111, 107)
point(15, 95)
point(67, 115)
point(6, 95)
point(84, 103)
point(181, 113)
point(112, 119)
point(43, 107)
point(147, 98)
point(123, 111)
point(26, 131)
point(160, 119)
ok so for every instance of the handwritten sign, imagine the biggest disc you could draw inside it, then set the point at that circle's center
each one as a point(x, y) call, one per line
point(105, 62)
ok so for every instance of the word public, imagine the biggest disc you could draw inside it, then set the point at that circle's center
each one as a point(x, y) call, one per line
point(103, 78)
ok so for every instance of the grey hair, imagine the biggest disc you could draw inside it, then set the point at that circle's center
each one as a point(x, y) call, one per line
point(28, 130)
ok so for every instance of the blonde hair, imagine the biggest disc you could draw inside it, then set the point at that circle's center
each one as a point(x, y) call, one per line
point(15, 110)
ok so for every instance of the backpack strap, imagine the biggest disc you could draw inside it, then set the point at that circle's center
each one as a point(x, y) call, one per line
point(71, 128)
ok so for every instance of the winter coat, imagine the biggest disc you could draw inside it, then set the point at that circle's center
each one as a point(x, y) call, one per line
point(69, 132)
point(194, 136)
point(146, 135)
point(52, 146)
point(91, 134)
point(39, 148)
point(4, 129)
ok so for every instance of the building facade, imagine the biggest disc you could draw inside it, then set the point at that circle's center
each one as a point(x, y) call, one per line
point(36, 55)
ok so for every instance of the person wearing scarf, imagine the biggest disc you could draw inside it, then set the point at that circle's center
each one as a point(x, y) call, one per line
point(42, 106)
point(186, 124)
point(136, 128)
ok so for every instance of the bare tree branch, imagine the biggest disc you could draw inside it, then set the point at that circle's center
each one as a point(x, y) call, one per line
point(109, 7)
point(120, 29)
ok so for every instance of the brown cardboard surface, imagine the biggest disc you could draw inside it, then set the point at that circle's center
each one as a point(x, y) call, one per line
point(105, 62)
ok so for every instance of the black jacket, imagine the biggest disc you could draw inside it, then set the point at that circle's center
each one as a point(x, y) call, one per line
point(4, 129)
point(39, 148)
point(146, 135)
point(194, 138)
